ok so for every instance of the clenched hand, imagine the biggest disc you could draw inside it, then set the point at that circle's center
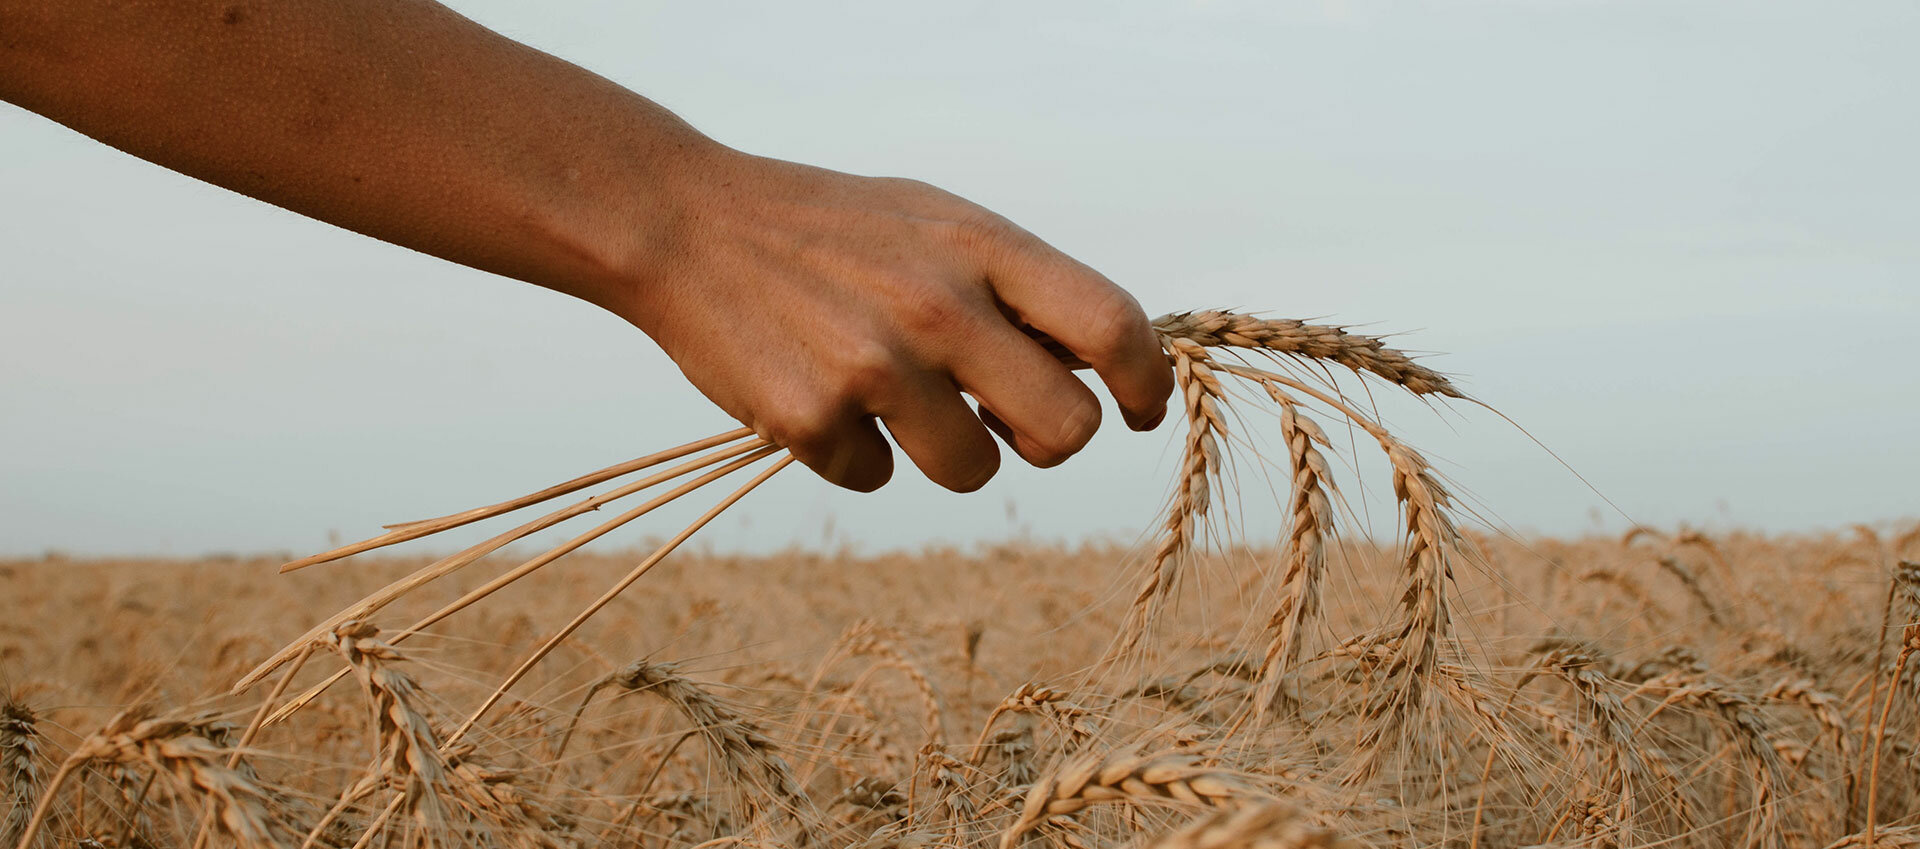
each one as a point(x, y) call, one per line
point(808, 303)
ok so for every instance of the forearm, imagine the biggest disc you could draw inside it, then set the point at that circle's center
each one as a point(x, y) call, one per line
point(394, 118)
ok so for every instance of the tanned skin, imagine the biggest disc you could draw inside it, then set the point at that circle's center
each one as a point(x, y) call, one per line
point(807, 303)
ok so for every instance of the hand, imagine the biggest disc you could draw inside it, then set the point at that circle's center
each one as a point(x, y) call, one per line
point(809, 303)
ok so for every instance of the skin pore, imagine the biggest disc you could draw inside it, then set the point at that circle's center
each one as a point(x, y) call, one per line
point(809, 304)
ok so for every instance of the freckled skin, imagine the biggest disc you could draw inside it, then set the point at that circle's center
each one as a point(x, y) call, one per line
point(811, 305)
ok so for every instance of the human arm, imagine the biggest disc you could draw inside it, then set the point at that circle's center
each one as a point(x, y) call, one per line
point(804, 302)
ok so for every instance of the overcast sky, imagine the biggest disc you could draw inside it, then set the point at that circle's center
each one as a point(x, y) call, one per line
point(1673, 239)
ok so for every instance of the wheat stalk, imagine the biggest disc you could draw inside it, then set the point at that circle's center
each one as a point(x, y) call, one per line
point(406, 531)
point(740, 456)
point(409, 754)
point(1909, 644)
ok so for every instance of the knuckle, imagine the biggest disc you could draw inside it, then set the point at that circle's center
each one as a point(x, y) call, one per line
point(867, 371)
point(986, 234)
point(808, 425)
point(928, 311)
point(1113, 323)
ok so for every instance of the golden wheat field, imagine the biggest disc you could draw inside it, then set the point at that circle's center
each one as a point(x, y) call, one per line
point(1437, 687)
point(1724, 692)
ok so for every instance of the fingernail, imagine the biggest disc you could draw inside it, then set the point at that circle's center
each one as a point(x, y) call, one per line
point(1152, 423)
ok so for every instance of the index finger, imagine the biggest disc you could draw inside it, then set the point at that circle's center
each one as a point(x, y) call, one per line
point(1097, 321)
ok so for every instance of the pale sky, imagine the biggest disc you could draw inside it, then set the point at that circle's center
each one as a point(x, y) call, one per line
point(1673, 239)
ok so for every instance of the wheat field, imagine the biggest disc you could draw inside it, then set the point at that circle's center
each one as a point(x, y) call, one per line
point(1439, 687)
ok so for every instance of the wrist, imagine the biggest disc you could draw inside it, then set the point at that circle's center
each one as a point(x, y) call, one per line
point(634, 216)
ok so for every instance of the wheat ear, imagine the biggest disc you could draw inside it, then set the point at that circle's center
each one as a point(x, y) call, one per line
point(748, 753)
point(1307, 536)
point(1124, 777)
point(1040, 700)
point(174, 747)
point(408, 751)
point(865, 639)
point(1748, 728)
point(1202, 399)
point(1611, 815)
point(1427, 552)
point(19, 766)
point(1290, 337)
point(1898, 837)
point(1272, 825)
